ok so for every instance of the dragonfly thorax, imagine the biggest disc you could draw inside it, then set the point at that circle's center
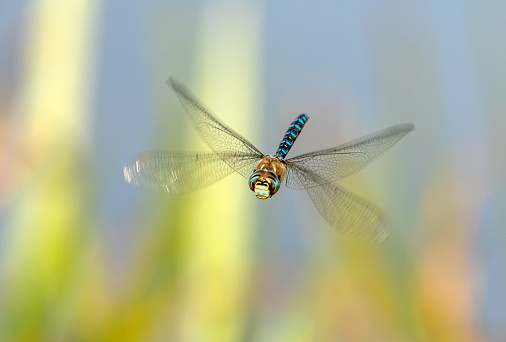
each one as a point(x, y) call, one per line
point(266, 178)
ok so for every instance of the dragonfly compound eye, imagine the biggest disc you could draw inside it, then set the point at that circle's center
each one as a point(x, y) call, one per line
point(264, 183)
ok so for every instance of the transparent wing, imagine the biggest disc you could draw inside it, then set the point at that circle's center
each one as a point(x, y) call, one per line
point(346, 212)
point(178, 172)
point(334, 163)
point(218, 136)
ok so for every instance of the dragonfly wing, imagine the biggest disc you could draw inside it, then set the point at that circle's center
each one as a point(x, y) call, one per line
point(218, 136)
point(341, 161)
point(349, 213)
point(346, 212)
point(178, 172)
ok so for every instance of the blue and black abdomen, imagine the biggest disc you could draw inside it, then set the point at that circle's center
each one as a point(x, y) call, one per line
point(291, 134)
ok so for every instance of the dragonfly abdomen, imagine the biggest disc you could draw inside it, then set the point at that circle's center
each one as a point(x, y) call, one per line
point(291, 134)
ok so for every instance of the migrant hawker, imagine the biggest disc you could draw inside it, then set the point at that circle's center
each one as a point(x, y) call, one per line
point(182, 172)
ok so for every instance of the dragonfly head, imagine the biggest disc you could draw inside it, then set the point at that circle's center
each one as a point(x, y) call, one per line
point(264, 183)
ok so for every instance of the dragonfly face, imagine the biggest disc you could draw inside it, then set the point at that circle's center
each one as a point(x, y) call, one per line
point(315, 172)
point(266, 179)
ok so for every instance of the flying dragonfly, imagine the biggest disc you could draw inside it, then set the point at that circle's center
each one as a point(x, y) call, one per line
point(316, 172)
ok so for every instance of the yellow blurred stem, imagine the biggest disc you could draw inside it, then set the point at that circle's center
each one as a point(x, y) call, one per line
point(50, 216)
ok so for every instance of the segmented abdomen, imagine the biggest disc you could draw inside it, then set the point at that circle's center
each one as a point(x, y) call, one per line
point(291, 134)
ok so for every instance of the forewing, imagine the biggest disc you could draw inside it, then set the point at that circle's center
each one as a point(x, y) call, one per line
point(218, 136)
point(348, 213)
point(341, 161)
point(178, 172)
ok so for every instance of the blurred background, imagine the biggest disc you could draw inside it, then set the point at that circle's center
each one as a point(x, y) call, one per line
point(84, 256)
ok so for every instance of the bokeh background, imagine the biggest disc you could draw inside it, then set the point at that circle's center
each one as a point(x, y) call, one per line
point(85, 256)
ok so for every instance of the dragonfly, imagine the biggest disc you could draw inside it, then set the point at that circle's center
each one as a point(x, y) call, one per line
point(316, 172)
